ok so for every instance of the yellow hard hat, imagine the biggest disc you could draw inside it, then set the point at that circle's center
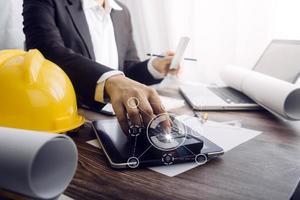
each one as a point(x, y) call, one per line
point(35, 94)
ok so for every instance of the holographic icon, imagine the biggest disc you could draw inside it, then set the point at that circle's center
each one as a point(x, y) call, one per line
point(201, 159)
point(135, 130)
point(165, 132)
point(133, 162)
point(167, 159)
point(133, 102)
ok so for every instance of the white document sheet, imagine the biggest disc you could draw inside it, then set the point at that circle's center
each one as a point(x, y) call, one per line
point(226, 136)
point(171, 103)
point(64, 197)
point(223, 135)
point(94, 143)
point(279, 97)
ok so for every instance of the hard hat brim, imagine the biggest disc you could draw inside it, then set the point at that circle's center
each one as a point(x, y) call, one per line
point(79, 122)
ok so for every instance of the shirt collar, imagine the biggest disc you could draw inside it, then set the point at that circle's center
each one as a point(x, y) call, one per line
point(109, 4)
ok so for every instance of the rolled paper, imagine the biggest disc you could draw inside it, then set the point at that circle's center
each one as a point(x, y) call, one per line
point(36, 164)
point(279, 97)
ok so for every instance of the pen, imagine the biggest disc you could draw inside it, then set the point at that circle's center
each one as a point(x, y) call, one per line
point(203, 117)
point(161, 56)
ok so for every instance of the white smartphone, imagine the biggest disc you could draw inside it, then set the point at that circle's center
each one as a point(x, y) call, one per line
point(183, 43)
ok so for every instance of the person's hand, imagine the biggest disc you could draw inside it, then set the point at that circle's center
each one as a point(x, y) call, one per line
point(162, 65)
point(128, 97)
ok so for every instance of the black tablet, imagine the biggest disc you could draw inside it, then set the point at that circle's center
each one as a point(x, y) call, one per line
point(144, 148)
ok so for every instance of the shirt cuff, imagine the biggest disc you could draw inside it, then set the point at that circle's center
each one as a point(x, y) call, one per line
point(156, 74)
point(99, 93)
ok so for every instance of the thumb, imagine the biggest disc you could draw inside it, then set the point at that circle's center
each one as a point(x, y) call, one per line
point(170, 53)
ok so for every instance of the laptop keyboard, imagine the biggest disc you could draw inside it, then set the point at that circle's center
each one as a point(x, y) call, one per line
point(230, 95)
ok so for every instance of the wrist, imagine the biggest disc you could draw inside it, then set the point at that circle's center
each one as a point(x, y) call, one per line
point(160, 66)
point(112, 83)
point(152, 70)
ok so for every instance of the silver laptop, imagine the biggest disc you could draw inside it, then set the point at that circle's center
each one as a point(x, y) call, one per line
point(281, 59)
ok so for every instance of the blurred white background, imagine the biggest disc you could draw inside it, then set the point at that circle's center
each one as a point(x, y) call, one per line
point(222, 32)
point(11, 28)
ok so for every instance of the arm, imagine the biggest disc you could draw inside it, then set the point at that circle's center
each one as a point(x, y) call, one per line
point(42, 33)
point(133, 67)
point(150, 71)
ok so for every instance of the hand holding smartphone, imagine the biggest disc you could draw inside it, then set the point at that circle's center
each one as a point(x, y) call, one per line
point(183, 43)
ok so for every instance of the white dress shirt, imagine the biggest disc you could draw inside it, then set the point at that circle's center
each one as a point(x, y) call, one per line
point(104, 41)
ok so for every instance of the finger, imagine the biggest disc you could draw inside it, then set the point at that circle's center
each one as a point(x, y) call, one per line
point(133, 111)
point(121, 116)
point(155, 102)
point(178, 71)
point(170, 53)
point(159, 109)
point(146, 111)
point(173, 72)
point(168, 59)
point(167, 63)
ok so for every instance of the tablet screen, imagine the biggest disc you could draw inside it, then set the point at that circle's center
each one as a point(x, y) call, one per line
point(122, 150)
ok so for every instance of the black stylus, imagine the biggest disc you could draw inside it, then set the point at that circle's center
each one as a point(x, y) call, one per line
point(161, 56)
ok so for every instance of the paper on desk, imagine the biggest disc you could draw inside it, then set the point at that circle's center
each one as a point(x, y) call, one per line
point(94, 143)
point(174, 170)
point(171, 103)
point(64, 197)
point(225, 136)
point(220, 133)
point(277, 96)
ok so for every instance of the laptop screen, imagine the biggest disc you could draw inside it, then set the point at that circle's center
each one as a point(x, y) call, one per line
point(281, 60)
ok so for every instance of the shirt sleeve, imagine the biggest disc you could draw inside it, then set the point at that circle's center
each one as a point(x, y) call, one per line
point(99, 93)
point(156, 74)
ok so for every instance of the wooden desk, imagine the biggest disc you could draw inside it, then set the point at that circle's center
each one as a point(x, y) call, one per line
point(267, 167)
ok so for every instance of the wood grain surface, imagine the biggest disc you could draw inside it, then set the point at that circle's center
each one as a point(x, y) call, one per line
point(266, 167)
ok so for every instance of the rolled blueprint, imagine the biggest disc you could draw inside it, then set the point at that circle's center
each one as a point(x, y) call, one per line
point(277, 96)
point(36, 164)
